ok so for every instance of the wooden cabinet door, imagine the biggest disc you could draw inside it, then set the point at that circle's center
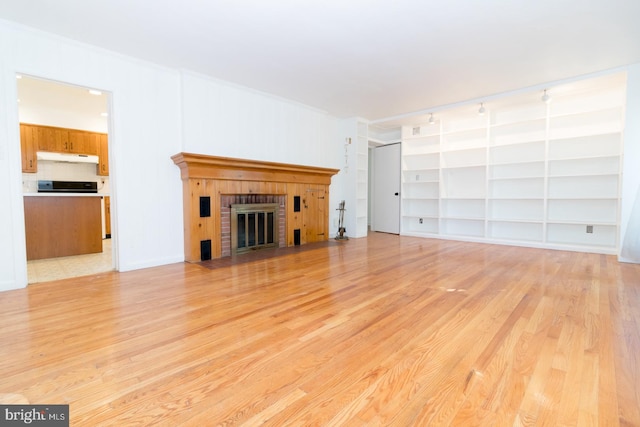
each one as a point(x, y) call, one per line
point(103, 153)
point(76, 142)
point(92, 143)
point(315, 215)
point(107, 216)
point(28, 148)
point(50, 139)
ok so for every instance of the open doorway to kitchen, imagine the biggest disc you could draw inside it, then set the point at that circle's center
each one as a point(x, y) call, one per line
point(64, 142)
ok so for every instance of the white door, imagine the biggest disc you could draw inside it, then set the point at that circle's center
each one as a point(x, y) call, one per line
point(386, 187)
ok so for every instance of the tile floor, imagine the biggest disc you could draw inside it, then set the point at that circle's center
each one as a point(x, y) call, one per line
point(46, 270)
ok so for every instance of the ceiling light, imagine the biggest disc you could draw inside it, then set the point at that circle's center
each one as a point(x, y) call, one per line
point(104, 114)
point(431, 119)
point(481, 110)
point(95, 92)
point(546, 97)
point(18, 76)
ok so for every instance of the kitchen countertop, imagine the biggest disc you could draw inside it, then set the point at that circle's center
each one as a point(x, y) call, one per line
point(66, 194)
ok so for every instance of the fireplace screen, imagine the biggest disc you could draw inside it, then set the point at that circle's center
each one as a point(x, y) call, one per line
point(254, 226)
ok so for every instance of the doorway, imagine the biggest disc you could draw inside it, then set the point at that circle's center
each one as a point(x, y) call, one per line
point(64, 138)
point(386, 187)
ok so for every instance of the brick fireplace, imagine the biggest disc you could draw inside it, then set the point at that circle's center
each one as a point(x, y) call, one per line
point(248, 200)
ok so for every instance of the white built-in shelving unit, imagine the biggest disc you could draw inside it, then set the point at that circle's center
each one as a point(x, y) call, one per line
point(526, 172)
point(355, 176)
point(362, 170)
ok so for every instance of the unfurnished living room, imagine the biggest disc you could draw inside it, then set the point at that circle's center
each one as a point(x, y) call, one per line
point(354, 213)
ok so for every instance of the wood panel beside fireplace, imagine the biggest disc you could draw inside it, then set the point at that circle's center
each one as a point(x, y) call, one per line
point(207, 180)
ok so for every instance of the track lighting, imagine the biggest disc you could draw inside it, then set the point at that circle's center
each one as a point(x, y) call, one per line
point(431, 119)
point(481, 110)
point(545, 97)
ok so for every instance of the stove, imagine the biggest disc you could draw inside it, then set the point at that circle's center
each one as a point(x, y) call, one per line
point(46, 186)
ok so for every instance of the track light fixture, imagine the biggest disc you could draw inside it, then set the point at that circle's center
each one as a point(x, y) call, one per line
point(431, 119)
point(545, 97)
point(481, 110)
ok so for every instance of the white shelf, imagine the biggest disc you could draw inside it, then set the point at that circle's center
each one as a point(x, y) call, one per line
point(429, 226)
point(516, 231)
point(516, 209)
point(585, 147)
point(519, 132)
point(585, 211)
point(519, 113)
point(517, 170)
point(580, 187)
point(421, 208)
point(586, 124)
point(421, 190)
point(421, 161)
point(526, 172)
point(463, 208)
point(464, 158)
point(464, 182)
point(464, 140)
point(462, 227)
point(604, 236)
point(421, 175)
point(519, 153)
point(609, 165)
point(422, 145)
point(463, 122)
point(517, 188)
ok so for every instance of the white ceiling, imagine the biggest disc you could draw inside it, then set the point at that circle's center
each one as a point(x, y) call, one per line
point(56, 104)
point(369, 58)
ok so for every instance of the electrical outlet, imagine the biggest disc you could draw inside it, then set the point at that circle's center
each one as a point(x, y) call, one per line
point(417, 177)
point(590, 229)
point(416, 131)
point(420, 220)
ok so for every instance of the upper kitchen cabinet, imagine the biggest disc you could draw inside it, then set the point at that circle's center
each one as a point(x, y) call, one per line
point(34, 138)
point(81, 142)
point(28, 148)
point(103, 154)
point(49, 139)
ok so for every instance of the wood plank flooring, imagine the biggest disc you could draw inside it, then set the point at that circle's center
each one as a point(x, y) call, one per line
point(384, 330)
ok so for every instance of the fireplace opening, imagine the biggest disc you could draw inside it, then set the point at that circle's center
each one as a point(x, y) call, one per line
point(254, 226)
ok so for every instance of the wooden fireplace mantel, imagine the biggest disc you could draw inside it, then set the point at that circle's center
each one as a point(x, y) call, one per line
point(227, 168)
point(206, 178)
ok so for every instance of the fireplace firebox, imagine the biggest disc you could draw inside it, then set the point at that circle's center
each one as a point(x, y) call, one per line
point(254, 226)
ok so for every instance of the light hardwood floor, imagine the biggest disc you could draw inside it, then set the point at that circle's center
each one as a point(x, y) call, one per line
point(384, 330)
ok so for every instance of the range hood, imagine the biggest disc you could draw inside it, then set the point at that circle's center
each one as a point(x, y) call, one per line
point(68, 158)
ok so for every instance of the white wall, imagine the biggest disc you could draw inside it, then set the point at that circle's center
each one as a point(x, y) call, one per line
point(149, 106)
point(630, 211)
point(145, 133)
point(222, 119)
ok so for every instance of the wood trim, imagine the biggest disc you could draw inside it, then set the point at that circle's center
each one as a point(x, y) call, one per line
point(228, 168)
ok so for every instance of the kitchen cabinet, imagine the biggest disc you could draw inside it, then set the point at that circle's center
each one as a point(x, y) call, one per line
point(34, 138)
point(103, 154)
point(49, 139)
point(80, 142)
point(28, 148)
point(107, 216)
point(57, 226)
